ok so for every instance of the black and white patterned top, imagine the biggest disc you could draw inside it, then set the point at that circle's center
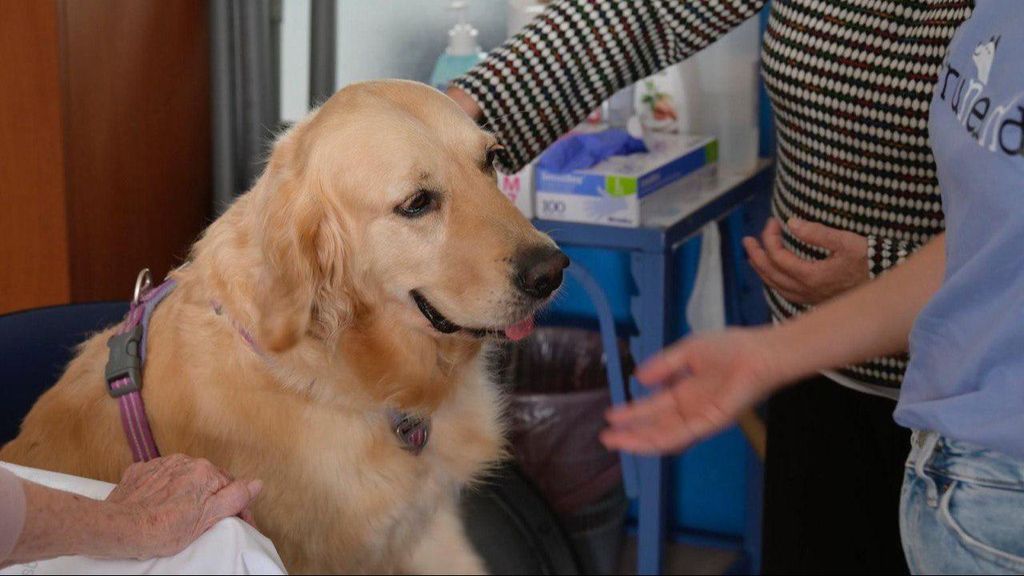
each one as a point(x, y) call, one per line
point(849, 81)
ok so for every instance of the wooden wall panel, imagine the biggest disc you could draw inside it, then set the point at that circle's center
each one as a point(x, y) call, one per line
point(33, 238)
point(137, 129)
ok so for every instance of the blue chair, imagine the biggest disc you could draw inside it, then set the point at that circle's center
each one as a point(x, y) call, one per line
point(35, 347)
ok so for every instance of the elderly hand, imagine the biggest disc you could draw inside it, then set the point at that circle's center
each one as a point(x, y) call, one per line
point(158, 509)
point(809, 281)
point(171, 501)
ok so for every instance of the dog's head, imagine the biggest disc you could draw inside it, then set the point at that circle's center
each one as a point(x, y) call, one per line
point(385, 203)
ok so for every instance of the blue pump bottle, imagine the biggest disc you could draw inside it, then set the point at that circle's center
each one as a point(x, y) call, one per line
point(463, 51)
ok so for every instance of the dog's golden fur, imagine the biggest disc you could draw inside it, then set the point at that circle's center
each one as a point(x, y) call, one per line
point(315, 262)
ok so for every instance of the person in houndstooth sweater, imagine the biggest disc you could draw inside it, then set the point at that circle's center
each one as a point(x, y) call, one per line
point(855, 193)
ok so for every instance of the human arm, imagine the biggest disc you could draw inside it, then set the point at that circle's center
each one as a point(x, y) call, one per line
point(708, 381)
point(158, 509)
point(12, 512)
point(575, 55)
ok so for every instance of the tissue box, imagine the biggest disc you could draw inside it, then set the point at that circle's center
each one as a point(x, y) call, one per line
point(518, 188)
point(614, 191)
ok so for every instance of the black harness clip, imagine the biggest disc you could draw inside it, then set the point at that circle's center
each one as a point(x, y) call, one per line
point(125, 361)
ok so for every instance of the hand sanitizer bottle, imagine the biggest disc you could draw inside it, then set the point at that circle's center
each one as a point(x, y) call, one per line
point(463, 51)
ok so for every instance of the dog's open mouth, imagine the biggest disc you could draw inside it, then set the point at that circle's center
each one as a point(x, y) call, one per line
point(516, 331)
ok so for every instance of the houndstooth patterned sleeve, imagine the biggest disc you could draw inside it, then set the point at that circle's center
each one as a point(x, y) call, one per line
point(885, 253)
point(577, 53)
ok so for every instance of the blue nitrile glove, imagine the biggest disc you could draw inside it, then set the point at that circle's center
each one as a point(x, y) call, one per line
point(582, 151)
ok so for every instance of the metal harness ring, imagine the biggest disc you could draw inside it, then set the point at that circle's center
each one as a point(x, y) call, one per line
point(142, 283)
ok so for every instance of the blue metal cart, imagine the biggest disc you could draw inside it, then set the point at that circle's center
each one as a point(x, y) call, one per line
point(651, 248)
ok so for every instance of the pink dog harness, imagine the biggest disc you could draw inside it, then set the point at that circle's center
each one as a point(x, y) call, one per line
point(128, 355)
point(124, 366)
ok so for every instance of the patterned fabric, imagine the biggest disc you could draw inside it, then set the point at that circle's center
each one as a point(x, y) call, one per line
point(849, 81)
point(572, 57)
point(884, 253)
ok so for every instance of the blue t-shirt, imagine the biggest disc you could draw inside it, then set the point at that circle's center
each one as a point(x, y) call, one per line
point(966, 374)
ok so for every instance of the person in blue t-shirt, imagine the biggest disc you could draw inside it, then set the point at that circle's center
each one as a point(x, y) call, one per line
point(960, 300)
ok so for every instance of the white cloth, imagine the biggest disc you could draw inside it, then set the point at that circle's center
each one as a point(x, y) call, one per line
point(705, 310)
point(230, 547)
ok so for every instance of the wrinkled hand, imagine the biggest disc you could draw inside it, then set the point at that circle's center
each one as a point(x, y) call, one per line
point(702, 385)
point(169, 502)
point(803, 281)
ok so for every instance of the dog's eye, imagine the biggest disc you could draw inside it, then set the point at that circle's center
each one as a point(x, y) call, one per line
point(491, 156)
point(422, 202)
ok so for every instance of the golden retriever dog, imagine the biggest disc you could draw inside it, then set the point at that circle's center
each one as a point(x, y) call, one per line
point(370, 266)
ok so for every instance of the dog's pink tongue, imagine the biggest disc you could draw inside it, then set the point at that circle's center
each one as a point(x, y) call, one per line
point(520, 330)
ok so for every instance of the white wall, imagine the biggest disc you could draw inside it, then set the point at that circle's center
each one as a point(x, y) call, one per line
point(378, 39)
point(294, 59)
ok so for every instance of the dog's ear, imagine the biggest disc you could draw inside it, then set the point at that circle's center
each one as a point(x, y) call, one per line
point(298, 292)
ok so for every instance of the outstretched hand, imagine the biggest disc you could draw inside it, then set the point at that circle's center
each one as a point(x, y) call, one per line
point(701, 386)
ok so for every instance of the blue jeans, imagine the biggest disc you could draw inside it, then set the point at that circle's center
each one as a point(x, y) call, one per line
point(962, 509)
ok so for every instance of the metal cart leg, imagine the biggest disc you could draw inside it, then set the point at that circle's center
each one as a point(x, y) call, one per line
point(650, 308)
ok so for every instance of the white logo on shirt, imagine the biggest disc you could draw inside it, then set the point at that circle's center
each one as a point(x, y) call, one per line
point(995, 123)
point(983, 56)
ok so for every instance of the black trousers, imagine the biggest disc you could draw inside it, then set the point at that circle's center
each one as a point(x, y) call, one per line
point(832, 482)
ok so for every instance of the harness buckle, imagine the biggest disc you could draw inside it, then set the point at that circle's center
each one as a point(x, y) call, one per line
point(124, 361)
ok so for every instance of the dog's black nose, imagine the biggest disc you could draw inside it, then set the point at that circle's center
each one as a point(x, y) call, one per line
point(538, 270)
